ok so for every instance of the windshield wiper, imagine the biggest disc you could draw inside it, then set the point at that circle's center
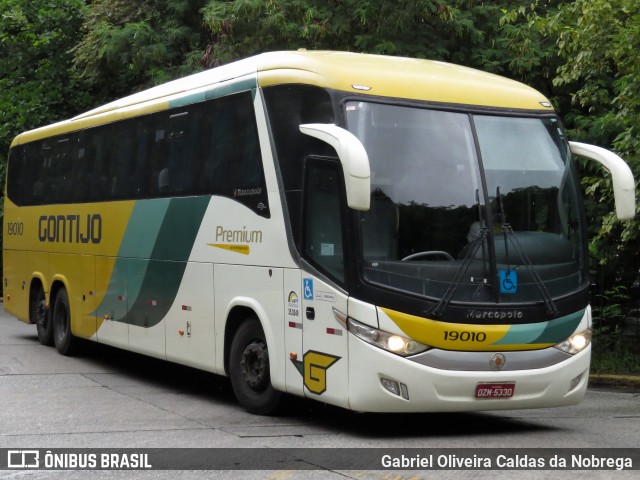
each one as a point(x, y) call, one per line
point(466, 262)
point(475, 245)
point(550, 307)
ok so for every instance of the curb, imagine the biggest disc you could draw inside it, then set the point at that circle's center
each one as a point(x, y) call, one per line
point(618, 381)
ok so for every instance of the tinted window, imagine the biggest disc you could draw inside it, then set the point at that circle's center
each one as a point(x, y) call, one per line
point(209, 148)
point(289, 106)
point(323, 233)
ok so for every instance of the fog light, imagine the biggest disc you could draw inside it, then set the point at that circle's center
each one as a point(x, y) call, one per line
point(574, 383)
point(397, 388)
point(390, 385)
point(404, 391)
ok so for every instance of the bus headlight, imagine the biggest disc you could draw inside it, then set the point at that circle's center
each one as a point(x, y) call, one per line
point(575, 343)
point(390, 342)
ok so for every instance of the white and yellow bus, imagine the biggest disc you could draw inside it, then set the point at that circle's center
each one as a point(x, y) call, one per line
point(377, 233)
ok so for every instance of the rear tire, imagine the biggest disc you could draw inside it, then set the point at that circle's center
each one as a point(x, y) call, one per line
point(39, 314)
point(249, 369)
point(61, 319)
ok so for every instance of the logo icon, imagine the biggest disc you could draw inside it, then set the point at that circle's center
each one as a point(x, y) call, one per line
point(497, 361)
point(23, 459)
point(293, 305)
point(314, 370)
point(308, 288)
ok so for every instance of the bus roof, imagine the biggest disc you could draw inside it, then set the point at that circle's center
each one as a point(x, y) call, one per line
point(399, 77)
point(385, 76)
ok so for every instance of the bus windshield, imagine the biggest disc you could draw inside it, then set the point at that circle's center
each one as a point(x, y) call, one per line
point(471, 207)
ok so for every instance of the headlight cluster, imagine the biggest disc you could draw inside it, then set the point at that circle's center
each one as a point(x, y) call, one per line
point(390, 342)
point(576, 342)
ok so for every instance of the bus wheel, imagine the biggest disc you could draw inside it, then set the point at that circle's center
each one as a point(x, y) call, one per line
point(249, 369)
point(40, 316)
point(65, 342)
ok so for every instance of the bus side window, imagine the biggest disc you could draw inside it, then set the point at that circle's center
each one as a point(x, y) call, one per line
point(62, 180)
point(226, 147)
point(218, 147)
point(323, 219)
point(120, 161)
point(80, 155)
point(231, 156)
point(183, 144)
point(288, 107)
point(100, 161)
point(142, 157)
point(159, 169)
point(20, 189)
point(30, 186)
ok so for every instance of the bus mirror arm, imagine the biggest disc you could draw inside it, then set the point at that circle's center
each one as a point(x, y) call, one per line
point(353, 158)
point(624, 191)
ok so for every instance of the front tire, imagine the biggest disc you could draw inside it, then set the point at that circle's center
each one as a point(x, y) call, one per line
point(249, 369)
point(39, 314)
point(61, 319)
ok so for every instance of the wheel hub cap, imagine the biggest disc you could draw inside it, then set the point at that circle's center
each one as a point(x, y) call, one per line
point(253, 365)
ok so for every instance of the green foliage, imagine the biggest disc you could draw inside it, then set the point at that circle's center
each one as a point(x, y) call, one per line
point(597, 42)
point(613, 351)
point(596, 85)
point(35, 85)
point(609, 314)
point(460, 31)
point(129, 45)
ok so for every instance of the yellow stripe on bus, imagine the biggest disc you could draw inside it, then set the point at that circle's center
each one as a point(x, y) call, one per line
point(456, 336)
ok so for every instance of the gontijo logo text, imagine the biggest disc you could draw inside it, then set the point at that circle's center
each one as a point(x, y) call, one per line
point(70, 228)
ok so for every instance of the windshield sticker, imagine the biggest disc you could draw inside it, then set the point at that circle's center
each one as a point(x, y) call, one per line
point(508, 281)
point(327, 249)
point(326, 296)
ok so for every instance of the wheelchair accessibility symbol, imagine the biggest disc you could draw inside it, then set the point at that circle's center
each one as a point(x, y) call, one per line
point(308, 289)
point(508, 281)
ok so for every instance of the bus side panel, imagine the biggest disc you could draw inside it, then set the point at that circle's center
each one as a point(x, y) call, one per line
point(64, 269)
point(112, 330)
point(76, 272)
point(146, 299)
point(326, 354)
point(86, 326)
point(19, 269)
point(293, 330)
point(189, 323)
point(261, 290)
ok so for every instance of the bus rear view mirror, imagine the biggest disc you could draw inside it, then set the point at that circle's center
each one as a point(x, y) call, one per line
point(624, 191)
point(354, 160)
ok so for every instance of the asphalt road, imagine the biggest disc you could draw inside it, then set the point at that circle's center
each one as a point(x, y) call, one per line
point(107, 398)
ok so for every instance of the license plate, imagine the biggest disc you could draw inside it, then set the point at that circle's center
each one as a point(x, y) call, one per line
point(495, 390)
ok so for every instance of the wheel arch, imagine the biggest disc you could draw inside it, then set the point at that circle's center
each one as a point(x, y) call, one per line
point(57, 284)
point(37, 281)
point(241, 309)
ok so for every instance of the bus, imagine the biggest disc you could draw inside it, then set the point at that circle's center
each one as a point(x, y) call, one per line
point(378, 233)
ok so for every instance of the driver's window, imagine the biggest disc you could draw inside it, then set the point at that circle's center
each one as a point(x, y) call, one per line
point(323, 242)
